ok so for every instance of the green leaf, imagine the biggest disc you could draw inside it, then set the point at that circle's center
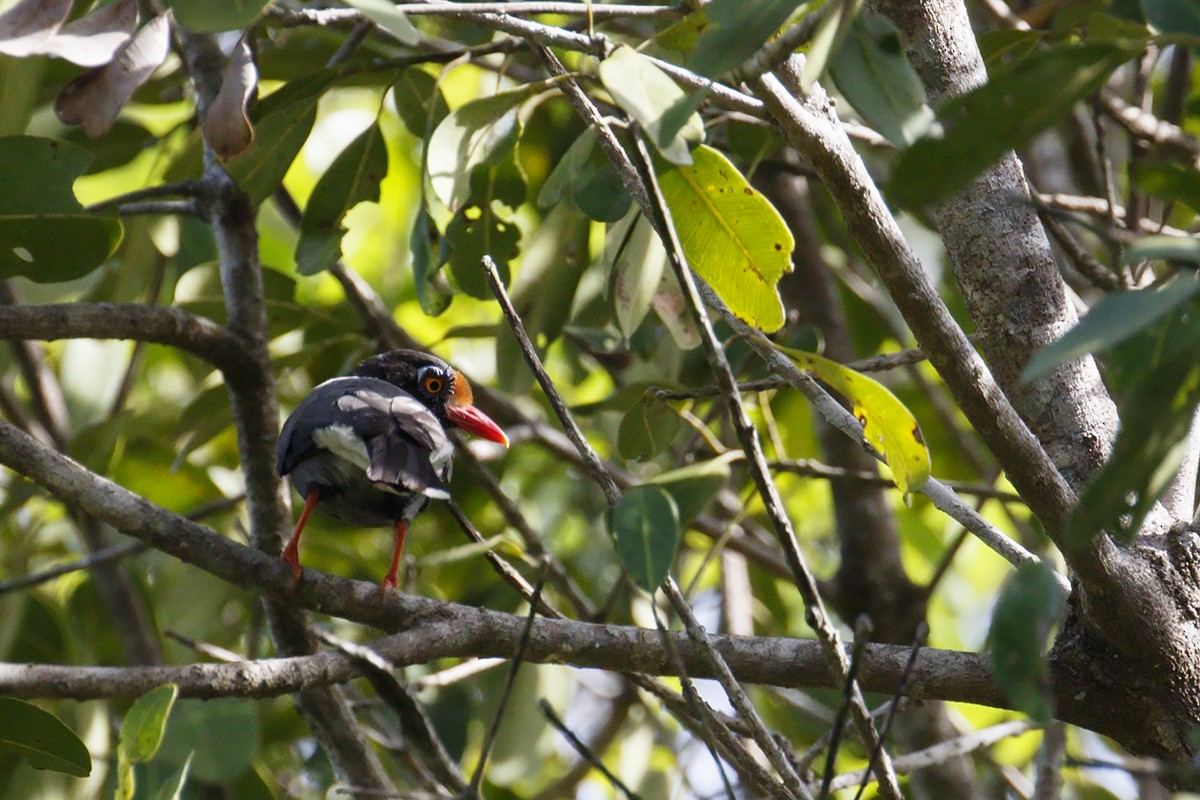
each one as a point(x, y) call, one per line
point(1174, 16)
point(41, 739)
point(736, 30)
point(282, 124)
point(224, 734)
point(423, 245)
point(693, 487)
point(353, 177)
point(1018, 102)
point(871, 71)
point(887, 424)
point(1163, 248)
point(384, 14)
point(1169, 180)
point(205, 16)
point(636, 263)
point(145, 722)
point(45, 234)
point(1030, 604)
point(647, 428)
point(649, 95)
point(732, 236)
point(172, 787)
point(419, 101)
point(479, 132)
point(1113, 319)
point(586, 176)
point(479, 229)
point(1156, 417)
point(645, 524)
point(828, 38)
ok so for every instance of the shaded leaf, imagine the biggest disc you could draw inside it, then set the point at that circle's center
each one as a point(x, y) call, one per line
point(45, 234)
point(671, 307)
point(172, 787)
point(1019, 101)
point(41, 739)
point(224, 735)
point(887, 424)
point(353, 177)
point(476, 133)
point(647, 428)
point(1163, 248)
point(649, 95)
point(1156, 416)
point(1030, 605)
point(419, 101)
point(828, 38)
point(1174, 16)
point(736, 30)
point(384, 14)
point(1113, 319)
point(732, 236)
point(94, 99)
point(423, 245)
point(559, 182)
point(479, 229)
point(205, 16)
point(645, 524)
point(870, 70)
point(95, 39)
point(1169, 180)
point(226, 127)
point(26, 27)
point(693, 487)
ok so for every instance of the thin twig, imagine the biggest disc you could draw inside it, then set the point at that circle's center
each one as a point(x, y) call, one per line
point(584, 751)
point(815, 469)
point(862, 633)
point(189, 190)
point(737, 696)
point(596, 466)
point(502, 704)
point(918, 643)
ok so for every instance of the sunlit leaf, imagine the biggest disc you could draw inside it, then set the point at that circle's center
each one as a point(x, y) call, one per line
point(1019, 101)
point(645, 524)
point(41, 739)
point(649, 95)
point(145, 722)
point(732, 236)
point(887, 424)
point(353, 177)
point(473, 134)
point(1030, 605)
point(637, 265)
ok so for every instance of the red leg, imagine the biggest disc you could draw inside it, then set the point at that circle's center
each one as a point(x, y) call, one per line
point(389, 582)
point(291, 551)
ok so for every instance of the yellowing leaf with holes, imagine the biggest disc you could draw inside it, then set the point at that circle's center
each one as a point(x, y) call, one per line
point(887, 424)
point(732, 236)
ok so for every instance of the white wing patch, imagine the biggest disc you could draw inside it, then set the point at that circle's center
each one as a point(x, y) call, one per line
point(341, 441)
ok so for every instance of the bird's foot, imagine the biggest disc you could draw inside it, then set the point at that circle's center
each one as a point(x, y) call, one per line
point(292, 559)
point(388, 584)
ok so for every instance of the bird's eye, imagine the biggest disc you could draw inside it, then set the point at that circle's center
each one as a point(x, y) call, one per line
point(433, 384)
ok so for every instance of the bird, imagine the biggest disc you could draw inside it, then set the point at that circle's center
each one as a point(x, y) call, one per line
point(370, 448)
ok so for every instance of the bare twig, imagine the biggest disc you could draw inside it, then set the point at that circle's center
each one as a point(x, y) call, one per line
point(599, 472)
point(862, 634)
point(584, 751)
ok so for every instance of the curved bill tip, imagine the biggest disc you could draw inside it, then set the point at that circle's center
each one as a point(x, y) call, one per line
point(472, 420)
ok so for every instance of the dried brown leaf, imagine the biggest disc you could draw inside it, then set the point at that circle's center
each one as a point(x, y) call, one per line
point(94, 99)
point(95, 39)
point(227, 129)
point(26, 27)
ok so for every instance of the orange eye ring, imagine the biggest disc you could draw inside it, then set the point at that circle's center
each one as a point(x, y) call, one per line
point(433, 384)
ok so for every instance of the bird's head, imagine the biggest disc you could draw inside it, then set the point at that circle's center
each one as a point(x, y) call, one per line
point(442, 389)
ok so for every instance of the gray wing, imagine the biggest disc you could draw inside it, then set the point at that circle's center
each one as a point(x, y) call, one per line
point(403, 445)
